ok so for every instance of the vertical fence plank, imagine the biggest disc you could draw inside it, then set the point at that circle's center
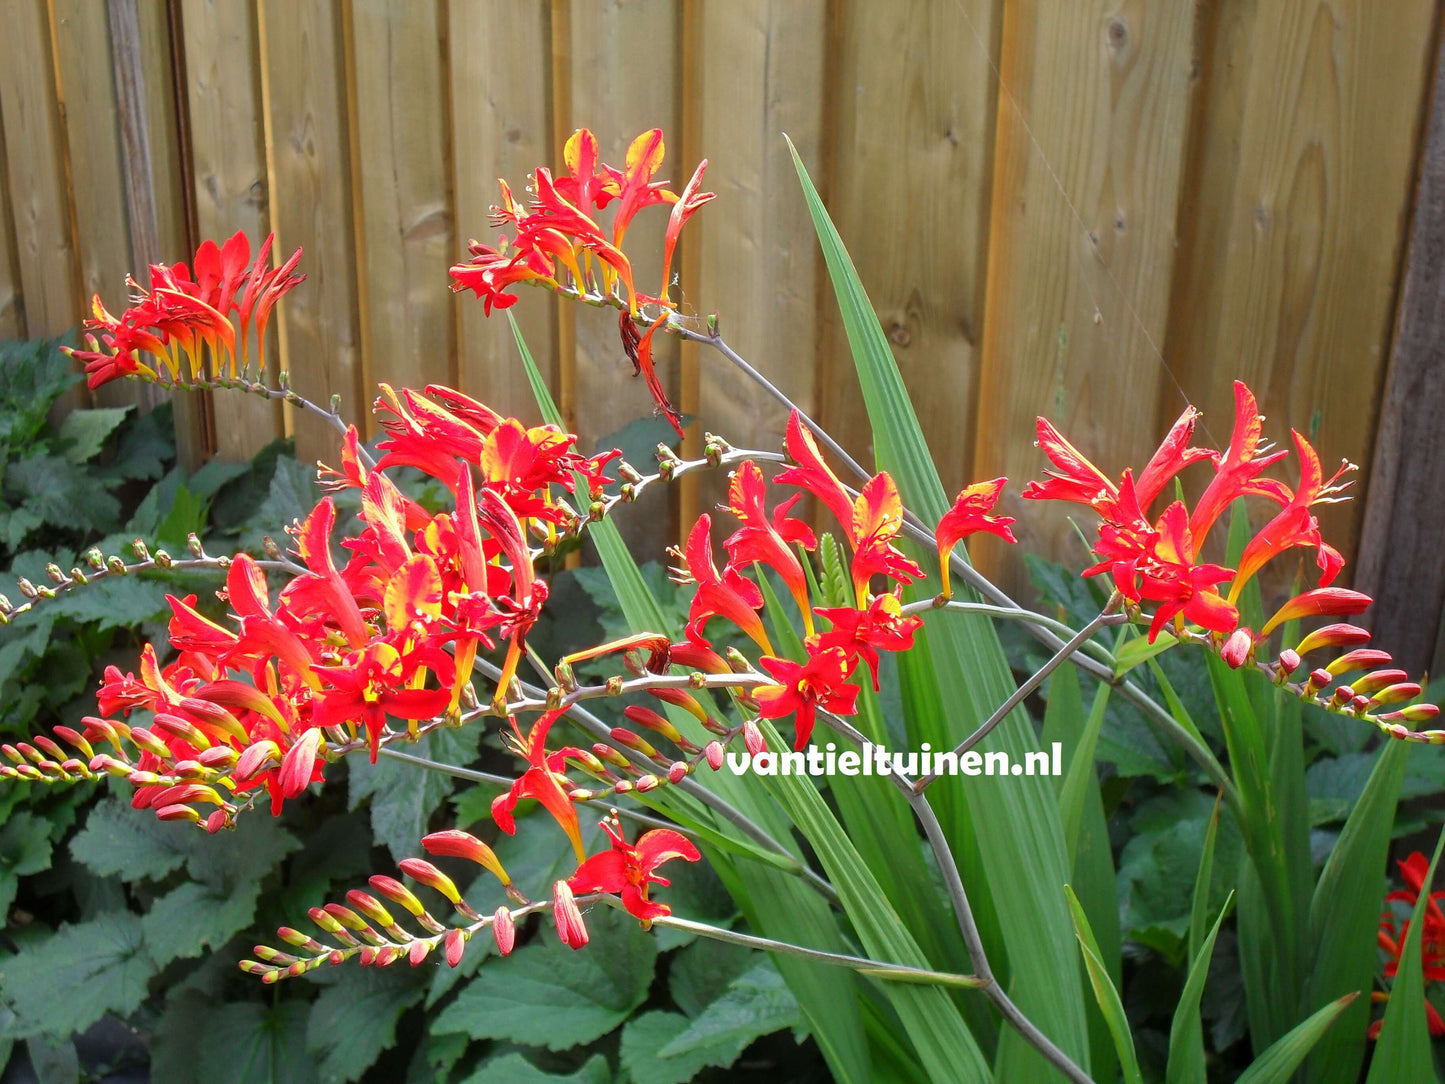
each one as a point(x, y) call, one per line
point(12, 306)
point(87, 101)
point(303, 93)
point(761, 75)
point(500, 85)
point(624, 81)
point(1076, 310)
point(403, 207)
point(1298, 201)
point(911, 117)
point(223, 95)
point(1404, 516)
point(162, 124)
point(35, 144)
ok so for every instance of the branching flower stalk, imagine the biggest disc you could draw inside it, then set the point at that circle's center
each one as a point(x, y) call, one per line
point(264, 699)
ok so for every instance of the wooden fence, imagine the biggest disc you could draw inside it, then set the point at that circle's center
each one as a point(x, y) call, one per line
point(1164, 196)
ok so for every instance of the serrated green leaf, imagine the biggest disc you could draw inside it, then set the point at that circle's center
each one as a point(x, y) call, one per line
point(701, 973)
point(239, 1042)
point(50, 487)
point(644, 1038)
point(758, 1002)
point(973, 677)
point(192, 918)
point(1345, 917)
point(83, 433)
point(1276, 1064)
point(105, 958)
point(404, 796)
point(354, 1019)
point(1186, 1030)
point(546, 994)
point(515, 1069)
point(24, 849)
point(119, 840)
point(1403, 1050)
point(53, 1060)
point(1105, 992)
point(119, 602)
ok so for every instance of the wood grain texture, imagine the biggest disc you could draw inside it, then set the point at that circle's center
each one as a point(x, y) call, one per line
point(87, 101)
point(223, 96)
point(35, 165)
point(756, 253)
point(1404, 517)
point(625, 80)
point(1078, 279)
point(500, 127)
point(12, 305)
point(402, 201)
point(910, 121)
point(1299, 194)
point(309, 172)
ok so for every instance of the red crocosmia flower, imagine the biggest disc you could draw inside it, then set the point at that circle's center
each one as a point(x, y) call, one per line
point(1237, 474)
point(877, 518)
point(1173, 580)
point(586, 185)
point(638, 348)
point(523, 606)
point(767, 541)
point(425, 435)
point(1295, 525)
point(263, 634)
point(191, 630)
point(727, 595)
point(1414, 870)
point(635, 187)
point(488, 274)
point(1073, 478)
point(813, 475)
point(863, 633)
point(970, 515)
point(541, 781)
point(686, 206)
point(820, 682)
point(520, 463)
point(627, 870)
point(374, 683)
point(1321, 602)
point(322, 590)
point(1171, 457)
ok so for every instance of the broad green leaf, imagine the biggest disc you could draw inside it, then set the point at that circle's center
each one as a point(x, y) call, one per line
point(24, 849)
point(1186, 1031)
point(546, 994)
point(404, 796)
point(701, 973)
point(776, 904)
point(53, 1060)
point(758, 1002)
point(193, 917)
point(1403, 1051)
point(515, 1069)
point(973, 677)
point(122, 602)
point(1105, 992)
point(1278, 1063)
point(354, 1019)
point(1345, 917)
point(105, 958)
point(646, 1037)
point(83, 433)
point(62, 496)
point(239, 1042)
point(118, 839)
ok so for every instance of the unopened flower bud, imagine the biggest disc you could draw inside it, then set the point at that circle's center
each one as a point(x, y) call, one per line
point(95, 559)
point(568, 916)
point(455, 843)
point(647, 783)
point(219, 819)
point(25, 587)
point(419, 869)
point(193, 545)
point(79, 577)
point(417, 952)
point(610, 755)
point(178, 813)
point(714, 753)
point(52, 570)
point(456, 944)
point(138, 547)
point(116, 566)
point(370, 906)
point(635, 742)
point(163, 559)
point(614, 685)
point(504, 930)
point(753, 738)
point(1393, 694)
point(738, 661)
point(677, 772)
point(1289, 661)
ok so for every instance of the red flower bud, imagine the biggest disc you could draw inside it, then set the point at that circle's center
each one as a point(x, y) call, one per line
point(568, 916)
point(1360, 659)
point(677, 772)
point(456, 944)
point(419, 869)
point(753, 738)
point(1333, 636)
point(459, 844)
point(178, 813)
point(1237, 648)
point(504, 930)
point(713, 751)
